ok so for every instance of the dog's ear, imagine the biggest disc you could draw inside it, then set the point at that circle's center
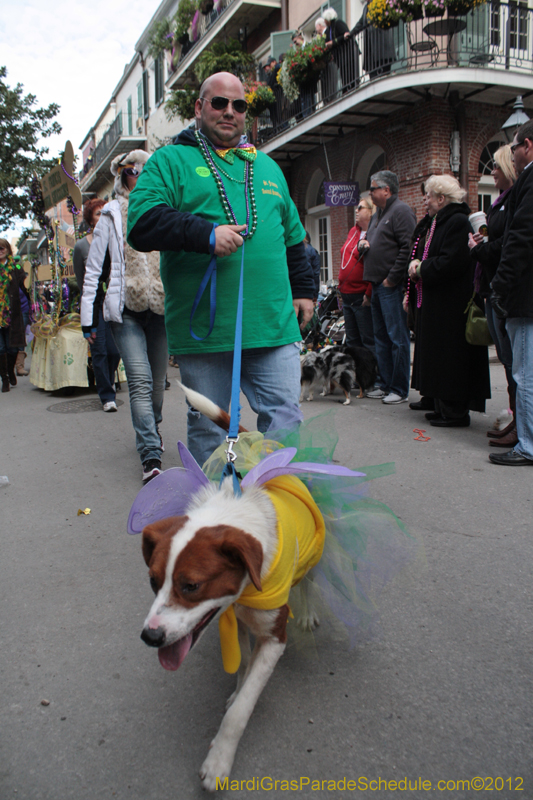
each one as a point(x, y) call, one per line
point(157, 531)
point(243, 547)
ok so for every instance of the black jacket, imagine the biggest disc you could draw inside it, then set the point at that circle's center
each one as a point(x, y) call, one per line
point(335, 31)
point(514, 277)
point(16, 328)
point(488, 253)
point(445, 366)
point(378, 50)
point(166, 228)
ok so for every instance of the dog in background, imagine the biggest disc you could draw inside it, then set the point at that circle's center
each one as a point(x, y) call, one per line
point(341, 366)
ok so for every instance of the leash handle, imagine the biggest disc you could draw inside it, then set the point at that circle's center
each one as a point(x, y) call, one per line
point(210, 275)
point(235, 415)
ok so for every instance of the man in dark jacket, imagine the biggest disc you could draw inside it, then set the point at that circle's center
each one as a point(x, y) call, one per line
point(388, 241)
point(512, 295)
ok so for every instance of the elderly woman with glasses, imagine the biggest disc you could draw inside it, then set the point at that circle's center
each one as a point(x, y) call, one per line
point(445, 367)
point(129, 286)
point(487, 255)
point(356, 292)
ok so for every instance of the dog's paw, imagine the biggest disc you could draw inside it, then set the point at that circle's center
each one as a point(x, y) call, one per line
point(346, 402)
point(310, 398)
point(216, 768)
point(308, 622)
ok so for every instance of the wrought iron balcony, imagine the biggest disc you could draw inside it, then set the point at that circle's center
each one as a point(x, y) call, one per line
point(492, 38)
point(114, 141)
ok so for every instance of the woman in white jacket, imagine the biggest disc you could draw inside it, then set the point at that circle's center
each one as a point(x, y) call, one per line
point(130, 287)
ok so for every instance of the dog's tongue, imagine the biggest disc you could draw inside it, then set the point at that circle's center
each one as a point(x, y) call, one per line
point(172, 656)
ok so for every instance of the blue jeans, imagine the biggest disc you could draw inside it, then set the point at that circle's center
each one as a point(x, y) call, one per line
point(520, 330)
point(4, 343)
point(391, 336)
point(358, 322)
point(142, 342)
point(503, 344)
point(270, 378)
point(105, 358)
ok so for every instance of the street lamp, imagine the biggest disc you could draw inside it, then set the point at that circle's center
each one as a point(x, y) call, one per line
point(517, 118)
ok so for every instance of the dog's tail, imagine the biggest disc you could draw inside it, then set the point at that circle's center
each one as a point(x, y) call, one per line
point(208, 408)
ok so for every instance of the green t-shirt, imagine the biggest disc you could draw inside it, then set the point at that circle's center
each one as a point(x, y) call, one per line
point(177, 176)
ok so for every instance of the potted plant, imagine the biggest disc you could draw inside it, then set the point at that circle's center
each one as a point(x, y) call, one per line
point(304, 62)
point(383, 14)
point(181, 104)
point(183, 18)
point(409, 10)
point(161, 38)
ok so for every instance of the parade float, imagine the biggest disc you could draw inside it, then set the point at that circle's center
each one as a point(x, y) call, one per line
point(60, 354)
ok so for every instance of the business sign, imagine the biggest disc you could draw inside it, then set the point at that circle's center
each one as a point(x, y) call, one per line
point(57, 185)
point(337, 193)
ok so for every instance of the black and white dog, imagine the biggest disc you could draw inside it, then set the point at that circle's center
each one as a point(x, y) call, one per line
point(341, 366)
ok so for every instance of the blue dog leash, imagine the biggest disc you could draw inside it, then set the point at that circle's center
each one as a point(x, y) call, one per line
point(235, 414)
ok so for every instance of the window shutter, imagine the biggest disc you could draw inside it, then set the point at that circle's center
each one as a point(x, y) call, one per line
point(140, 109)
point(338, 5)
point(280, 43)
point(129, 113)
point(145, 95)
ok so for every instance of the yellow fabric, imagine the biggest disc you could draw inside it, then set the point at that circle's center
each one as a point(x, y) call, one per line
point(301, 533)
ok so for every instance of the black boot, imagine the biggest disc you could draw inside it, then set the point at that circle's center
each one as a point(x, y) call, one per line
point(11, 361)
point(3, 372)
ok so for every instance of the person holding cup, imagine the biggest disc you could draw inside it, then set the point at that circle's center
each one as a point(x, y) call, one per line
point(486, 252)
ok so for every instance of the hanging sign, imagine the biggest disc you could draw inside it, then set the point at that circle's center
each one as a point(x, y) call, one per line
point(341, 193)
point(59, 183)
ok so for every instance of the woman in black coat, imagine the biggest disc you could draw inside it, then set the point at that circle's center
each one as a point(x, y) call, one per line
point(448, 369)
point(379, 50)
point(487, 255)
point(12, 337)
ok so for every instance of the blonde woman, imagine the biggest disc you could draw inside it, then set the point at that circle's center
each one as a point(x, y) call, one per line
point(445, 367)
point(487, 256)
point(356, 292)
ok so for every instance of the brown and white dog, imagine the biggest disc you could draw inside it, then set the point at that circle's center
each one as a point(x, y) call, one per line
point(199, 565)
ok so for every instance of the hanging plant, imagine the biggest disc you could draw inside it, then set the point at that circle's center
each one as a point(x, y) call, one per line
point(225, 57)
point(259, 98)
point(303, 62)
point(383, 14)
point(183, 18)
point(291, 90)
point(161, 38)
point(206, 6)
point(409, 10)
point(181, 104)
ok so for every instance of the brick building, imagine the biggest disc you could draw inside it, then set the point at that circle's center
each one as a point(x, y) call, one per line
point(425, 97)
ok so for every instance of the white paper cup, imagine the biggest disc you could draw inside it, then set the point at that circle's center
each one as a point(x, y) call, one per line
point(479, 223)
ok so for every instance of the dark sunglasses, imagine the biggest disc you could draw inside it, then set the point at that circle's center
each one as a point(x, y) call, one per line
point(361, 208)
point(131, 171)
point(220, 103)
point(518, 144)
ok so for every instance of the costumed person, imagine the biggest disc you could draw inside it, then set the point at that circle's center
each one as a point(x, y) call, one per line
point(104, 354)
point(487, 255)
point(12, 337)
point(134, 307)
point(446, 367)
point(211, 194)
point(356, 293)
point(25, 307)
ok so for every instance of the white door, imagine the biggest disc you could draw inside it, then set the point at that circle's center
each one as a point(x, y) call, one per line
point(318, 225)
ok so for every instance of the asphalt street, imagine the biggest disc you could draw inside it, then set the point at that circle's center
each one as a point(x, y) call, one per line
point(444, 694)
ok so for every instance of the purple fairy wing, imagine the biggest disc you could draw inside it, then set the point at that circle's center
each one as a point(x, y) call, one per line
point(309, 467)
point(166, 495)
point(277, 460)
point(190, 463)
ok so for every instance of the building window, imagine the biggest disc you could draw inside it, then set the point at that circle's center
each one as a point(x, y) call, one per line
point(518, 22)
point(140, 107)
point(486, 159)
point(159, 80)
point(129, 112)
point(495, 24)
point(323, 248)
point(146, 104)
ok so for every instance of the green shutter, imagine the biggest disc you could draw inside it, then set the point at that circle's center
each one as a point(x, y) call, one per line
point(338, 5)
point(146, 105)
point(280, 43)
point(129, 113)
point(140, 110)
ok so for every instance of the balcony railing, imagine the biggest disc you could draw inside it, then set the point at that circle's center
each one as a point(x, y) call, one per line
point(205, 23)
point(493, 36)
